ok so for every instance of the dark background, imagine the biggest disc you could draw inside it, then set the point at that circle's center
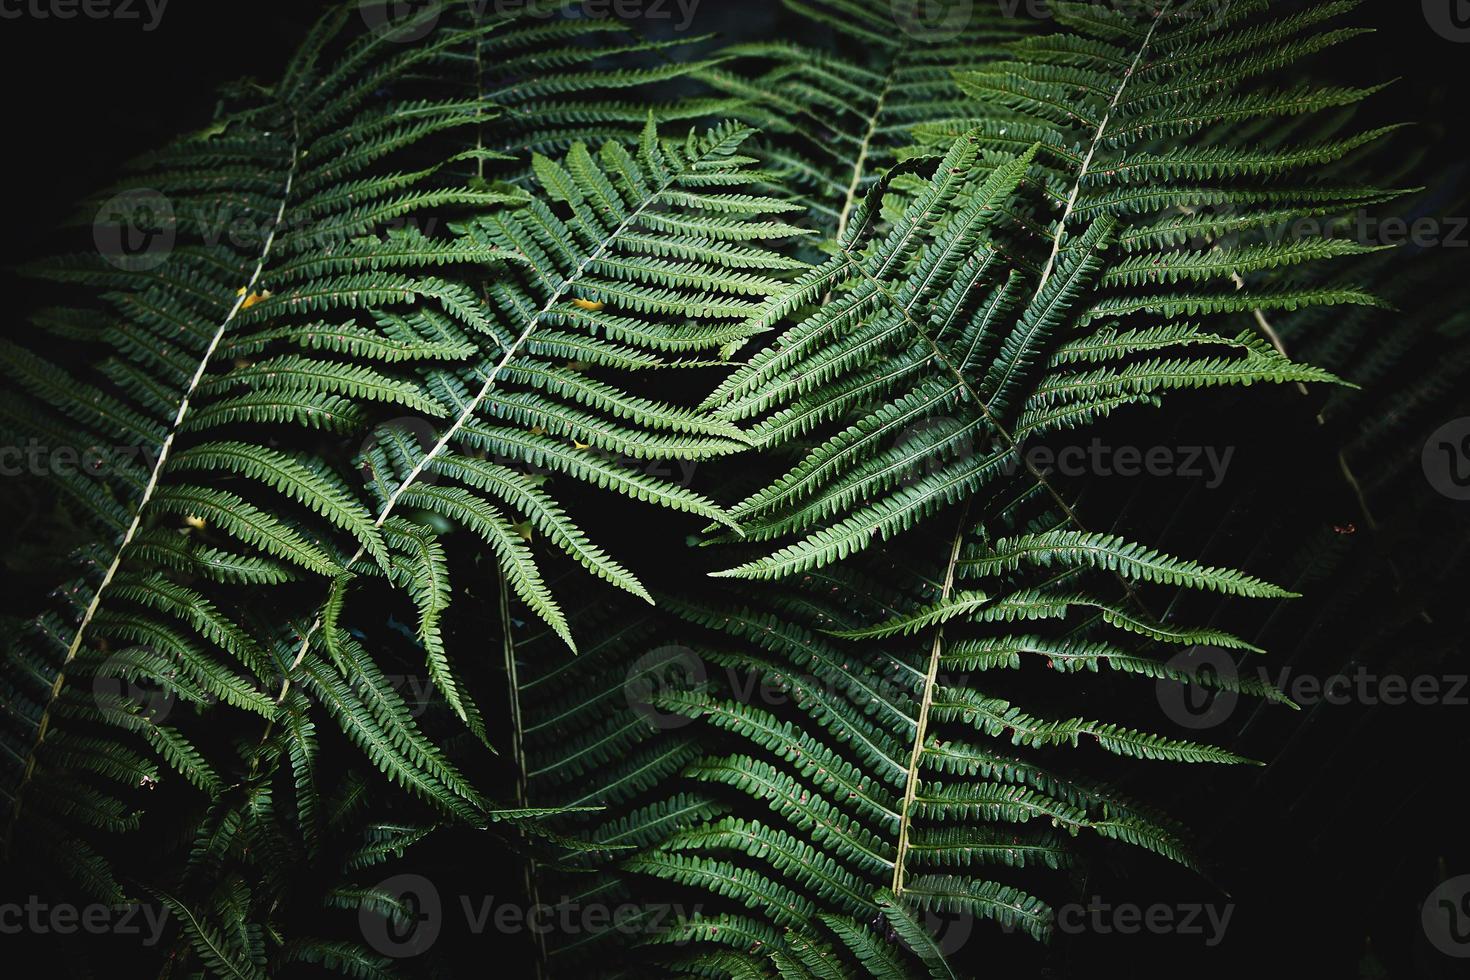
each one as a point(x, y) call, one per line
point(82, 96)
point(1323, 885)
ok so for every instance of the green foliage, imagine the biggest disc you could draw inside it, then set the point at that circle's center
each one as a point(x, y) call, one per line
point(1022, 274)
point(835, 118)
point(483, 278)
point(233, 574)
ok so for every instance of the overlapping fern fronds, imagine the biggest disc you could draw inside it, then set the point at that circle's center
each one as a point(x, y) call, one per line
point(969, 333)
point(1083, 249)
point(243, 326)
point(230, 555)
point(559, 77)
point(465, 256)
point(761, 757)
point(835, 116)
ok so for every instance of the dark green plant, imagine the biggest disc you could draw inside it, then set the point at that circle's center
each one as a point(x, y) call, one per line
point(496, 272)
